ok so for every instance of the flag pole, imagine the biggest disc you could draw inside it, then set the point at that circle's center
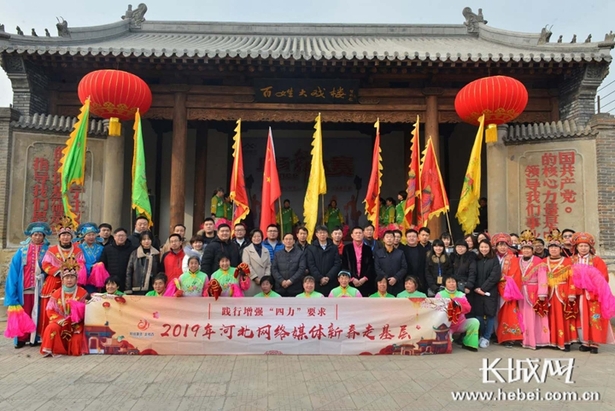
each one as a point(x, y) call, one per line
point(450, 231)
point(281, 221)
point(322, 198)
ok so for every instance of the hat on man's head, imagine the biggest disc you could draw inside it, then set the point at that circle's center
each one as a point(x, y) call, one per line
point(87, 228)
point(554, 238)
point(501, 238)
point(527, 239)
point(65, 226)
point(38, 227)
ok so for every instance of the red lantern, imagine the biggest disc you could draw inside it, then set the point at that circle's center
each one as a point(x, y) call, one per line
point(501, 99)
point(116, 95)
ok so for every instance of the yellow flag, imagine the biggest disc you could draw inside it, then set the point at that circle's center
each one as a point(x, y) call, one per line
point(317, 184)
point(467, 212)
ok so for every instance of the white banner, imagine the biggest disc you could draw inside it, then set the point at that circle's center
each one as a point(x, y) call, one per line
point(196, 326)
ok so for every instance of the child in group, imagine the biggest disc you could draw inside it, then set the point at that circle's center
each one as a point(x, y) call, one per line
point(344, 289)
point(233, 281)
point(411, 285)
point(160, 284)
point(382, 284)
point(192, 283)
point(266, 284)
point(457, 314)
point(309, 283)
point(111, 286)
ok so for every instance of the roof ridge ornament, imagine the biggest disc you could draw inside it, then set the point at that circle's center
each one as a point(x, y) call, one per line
point(473, 19)
point(545, 35)
point(62, 26)
point(136, 17)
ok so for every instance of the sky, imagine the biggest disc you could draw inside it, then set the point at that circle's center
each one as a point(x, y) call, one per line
point(567, 17)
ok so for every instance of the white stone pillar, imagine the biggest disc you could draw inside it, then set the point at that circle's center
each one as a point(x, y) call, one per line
point(113, 181)
point(497, 187)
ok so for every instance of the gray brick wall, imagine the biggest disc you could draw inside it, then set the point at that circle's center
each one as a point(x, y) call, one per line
point(6, 147)
point(605, 147)
point(578, 93)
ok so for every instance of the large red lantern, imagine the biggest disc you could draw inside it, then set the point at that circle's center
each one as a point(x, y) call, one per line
point(501, 99)
point(116, 95)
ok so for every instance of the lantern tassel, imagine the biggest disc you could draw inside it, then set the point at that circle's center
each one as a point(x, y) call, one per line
point(115, 127)
point(491, 134)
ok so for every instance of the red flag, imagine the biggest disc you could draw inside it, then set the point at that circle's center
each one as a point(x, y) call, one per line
point(238, 192)
point(372, 197)
point(271, 186)
point(414, 186)
point(434, 200)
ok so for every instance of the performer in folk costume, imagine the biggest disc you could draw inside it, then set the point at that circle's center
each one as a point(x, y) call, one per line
point(192, 283)
point(289, 218)
point(333, 216)
point(92, 251)
point(510, 324)
point(232, 281)
point(596, 302)
point(23, 285)
point(564, 309)
point(534, 307)
point(65, 311)
point(218, 208)
point(52, 262)
point(457, 310)
point(400, 208)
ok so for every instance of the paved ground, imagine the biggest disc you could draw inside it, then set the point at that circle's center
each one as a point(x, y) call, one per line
point(30, 382)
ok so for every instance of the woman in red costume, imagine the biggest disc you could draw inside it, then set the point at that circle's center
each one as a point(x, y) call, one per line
point(596, 302)
point(563, 310)
point(65, 311)
point(510, 327)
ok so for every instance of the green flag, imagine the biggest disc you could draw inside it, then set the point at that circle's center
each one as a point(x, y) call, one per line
point(140, 197)
point(72, 163)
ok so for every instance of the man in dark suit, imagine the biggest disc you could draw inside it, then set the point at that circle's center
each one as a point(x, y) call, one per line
point(323, 261)
point(390, 263)
point(358, 260)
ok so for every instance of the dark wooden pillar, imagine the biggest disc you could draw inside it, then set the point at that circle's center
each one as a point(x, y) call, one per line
point(432, 129)
point(200, 176)
point(178, 161)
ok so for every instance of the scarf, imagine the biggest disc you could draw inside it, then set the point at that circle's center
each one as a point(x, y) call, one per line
point(69, 289)
point(259, 248)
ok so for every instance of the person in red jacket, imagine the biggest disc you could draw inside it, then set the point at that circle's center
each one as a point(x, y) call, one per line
point(172, 259)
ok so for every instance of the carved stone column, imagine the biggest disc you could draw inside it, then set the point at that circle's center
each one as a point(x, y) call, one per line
point(178, 160)
point(7, 115)
point(432, 129)
point(113, 177)
point(497, 193)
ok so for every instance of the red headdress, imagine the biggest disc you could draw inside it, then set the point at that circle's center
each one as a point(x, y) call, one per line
point(501, 238)
point(584, 238)
point(554, 238)
point(526, 239)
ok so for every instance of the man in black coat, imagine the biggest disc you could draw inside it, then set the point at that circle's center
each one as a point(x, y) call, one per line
point(323, 261)
point(415, 258)
point(288, 268)
point(220, 246)
point(363, 276)
point(141, 225)
point(390, 263)
point(115, 256)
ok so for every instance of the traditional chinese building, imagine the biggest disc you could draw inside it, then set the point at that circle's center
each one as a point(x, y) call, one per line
point(542, 173)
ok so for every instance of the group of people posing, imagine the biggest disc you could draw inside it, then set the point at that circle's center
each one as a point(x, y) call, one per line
point(496, 288)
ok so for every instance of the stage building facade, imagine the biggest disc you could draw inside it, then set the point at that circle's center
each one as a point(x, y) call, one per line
point(552, 167)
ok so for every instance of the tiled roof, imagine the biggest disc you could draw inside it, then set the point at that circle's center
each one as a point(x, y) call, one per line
point(306, 41)
point(537, 132)
point(55, 123)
